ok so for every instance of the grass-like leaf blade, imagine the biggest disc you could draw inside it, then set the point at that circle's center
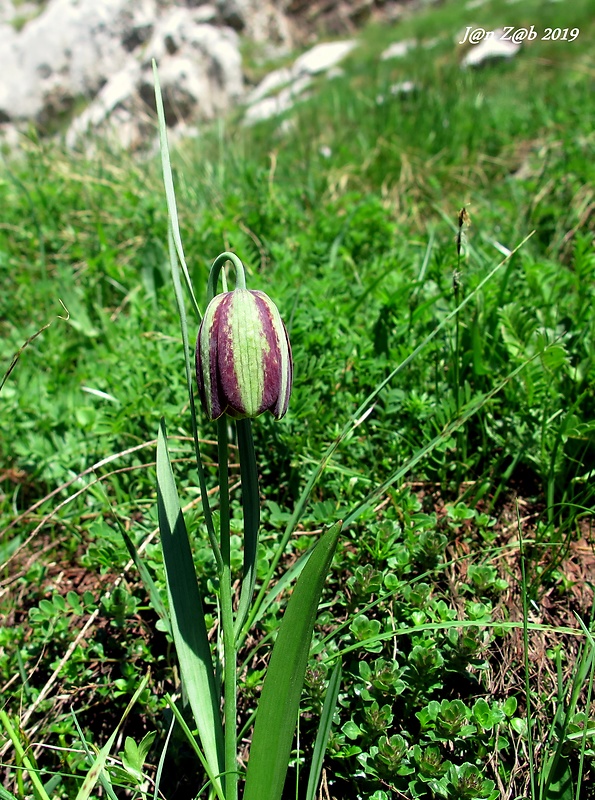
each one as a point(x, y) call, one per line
point(324, 729)
point(277, 710)
point(170, 195)
point(93, 776)
point(355, 419)
point(20, 750)
point(146, 578)
point(144, 573)
point(96, 771)
point(186, 614)
point(178, 717)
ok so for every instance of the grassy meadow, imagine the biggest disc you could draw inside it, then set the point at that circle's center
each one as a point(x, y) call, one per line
point(460, 598)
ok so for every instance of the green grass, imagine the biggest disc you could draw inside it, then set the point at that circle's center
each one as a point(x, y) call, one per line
point(357, 249)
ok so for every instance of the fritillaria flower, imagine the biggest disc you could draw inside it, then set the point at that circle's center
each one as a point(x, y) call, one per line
point(243, 357)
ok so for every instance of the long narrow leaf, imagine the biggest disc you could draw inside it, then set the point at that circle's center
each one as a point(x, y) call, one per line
point(186, 613)
point(144, 573)
point(176, 257)
point(96, 772)
point(146, 578)
point(298, 510)
point(38, 785)
point(279, 703)
point(324, 729)
point(289, 576)
point(192, 742)
point(103, 777)
point(556, 630)
point(161, 762)
point(583, 744)
point(556, 775)
point(168, 181)
point(175, 276)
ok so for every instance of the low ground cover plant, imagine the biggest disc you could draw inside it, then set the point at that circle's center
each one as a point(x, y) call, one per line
point(442, 410)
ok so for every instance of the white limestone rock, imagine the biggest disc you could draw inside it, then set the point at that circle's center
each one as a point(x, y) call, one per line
point(322, 57)
point(264, 101)
point(67, 52)
point(200, 73)
point(268, 107)
point(270, 83)
point(261, 21)
point(491, 48)
point(398, 49)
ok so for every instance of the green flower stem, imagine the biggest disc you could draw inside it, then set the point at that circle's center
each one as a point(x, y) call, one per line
point(222, 451)
point(457, 354)
point(461, 438)
point(226, 601)
point(458, 392)
point(216, 267)
point(251, 509)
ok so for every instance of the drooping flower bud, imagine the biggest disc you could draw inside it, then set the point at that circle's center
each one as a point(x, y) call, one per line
point(243, 356)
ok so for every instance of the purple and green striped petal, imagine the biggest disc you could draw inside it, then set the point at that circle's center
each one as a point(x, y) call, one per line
point(243, 357)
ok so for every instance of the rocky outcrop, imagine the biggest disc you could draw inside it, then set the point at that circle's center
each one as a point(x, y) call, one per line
point(66, 53)
point(266, 101)
point(78, 52)
point(85, 66)
point(200, 72)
